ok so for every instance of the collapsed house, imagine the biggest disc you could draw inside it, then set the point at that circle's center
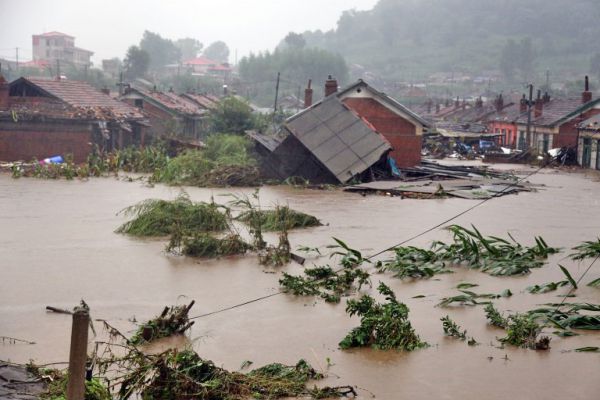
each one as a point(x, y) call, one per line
point(170, 114)
point(42, 118)
point(356, 133)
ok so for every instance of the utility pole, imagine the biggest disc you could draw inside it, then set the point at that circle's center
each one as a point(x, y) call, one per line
point(547, 79)
point(276, 92)
point(58, 69)
point(529, 104)
point(17, 57)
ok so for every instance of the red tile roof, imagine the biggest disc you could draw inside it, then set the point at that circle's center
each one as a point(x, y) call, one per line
point(82, 95)
point(54, 34)
point(172, 101)
point(555, 110)
point(202, 100)
point(201, 61)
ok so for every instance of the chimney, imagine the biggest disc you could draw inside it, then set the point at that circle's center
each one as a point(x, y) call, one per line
point(539, 105)
point(586, 95)
point(479, 102)
point(308, 93)
point(456, 102)
point(464, 104)
point(105, 90)
point(546, 97)
point(429, 105)
point(523, 104)
point(499, 103)
point(437, 107)
point(331, 86)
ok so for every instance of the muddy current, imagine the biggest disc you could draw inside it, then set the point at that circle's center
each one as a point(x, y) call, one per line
point(57, 246)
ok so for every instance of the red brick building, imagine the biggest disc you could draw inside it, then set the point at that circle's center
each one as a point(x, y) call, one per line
point(41, 118)
point(401, 127)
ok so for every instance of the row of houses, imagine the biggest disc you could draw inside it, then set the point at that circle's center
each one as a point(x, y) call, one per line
point(41, 118)
point(553, 122)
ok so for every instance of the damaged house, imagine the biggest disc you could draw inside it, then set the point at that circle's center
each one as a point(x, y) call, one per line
point(41, 118)
point(354, 133)
point(169, 113)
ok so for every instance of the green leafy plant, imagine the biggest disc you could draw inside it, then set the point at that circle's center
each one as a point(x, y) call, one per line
point(452, 329)
point(173, 320)
point(382, 326)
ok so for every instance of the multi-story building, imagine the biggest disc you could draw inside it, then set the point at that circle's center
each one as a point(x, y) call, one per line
point(56, 46)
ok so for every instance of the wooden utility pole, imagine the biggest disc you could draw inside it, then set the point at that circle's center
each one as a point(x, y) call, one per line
point(17, 57)
point(529, 104)
point(78, 354)
point(276, 92)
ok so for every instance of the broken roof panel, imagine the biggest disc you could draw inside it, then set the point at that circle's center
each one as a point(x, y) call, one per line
point(338, 138)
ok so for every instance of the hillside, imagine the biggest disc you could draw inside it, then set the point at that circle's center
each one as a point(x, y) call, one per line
point(408, 40)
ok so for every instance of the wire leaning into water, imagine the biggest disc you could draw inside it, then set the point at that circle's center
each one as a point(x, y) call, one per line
point(460, 214)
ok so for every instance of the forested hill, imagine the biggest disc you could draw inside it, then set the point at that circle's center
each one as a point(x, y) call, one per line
point(410, 39)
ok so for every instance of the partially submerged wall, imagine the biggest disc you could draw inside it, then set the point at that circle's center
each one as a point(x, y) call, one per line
point(25, 140)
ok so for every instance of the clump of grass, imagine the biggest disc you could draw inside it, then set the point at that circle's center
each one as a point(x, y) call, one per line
point(328, 283)
point(161, 217)
point(452, 329)
point(225, 161)
point(382, 326)
point(494, 317)
point(173, 320)
point(493, 255)
point(587, 249)
point(204, 245)
point(551, 286)
point(569, 318)
point(471, 298)
point(469, 247)
point(184, 375)
point(282, 217)
point(57, 381)
point(522, 331)
point(413, 262)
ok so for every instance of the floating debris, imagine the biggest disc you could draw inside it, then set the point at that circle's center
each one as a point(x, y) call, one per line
point(172, 321)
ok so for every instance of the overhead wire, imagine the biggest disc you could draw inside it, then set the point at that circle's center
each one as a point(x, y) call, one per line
point(469, 209)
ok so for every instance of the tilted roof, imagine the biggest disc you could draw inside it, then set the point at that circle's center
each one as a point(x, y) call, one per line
point(80, 95)
point(201, 100)
point(558, 110)
point(171, 101)
point(343, 142)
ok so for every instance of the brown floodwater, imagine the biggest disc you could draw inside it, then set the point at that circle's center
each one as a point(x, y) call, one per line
point(57, 246)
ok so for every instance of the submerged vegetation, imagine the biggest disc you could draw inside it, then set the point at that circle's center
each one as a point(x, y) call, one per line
point(326, 282)
point(161, 217)
point(282, 217)
point(185, 375)
point(226, 161)
point(204, 245)
point(493, 255)
point(382, 325)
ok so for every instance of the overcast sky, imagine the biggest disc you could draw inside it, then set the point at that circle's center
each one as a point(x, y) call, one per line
point(109, 27)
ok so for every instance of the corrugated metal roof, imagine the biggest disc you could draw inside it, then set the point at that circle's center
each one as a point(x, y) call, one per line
point(81, 94)
point(338, 138)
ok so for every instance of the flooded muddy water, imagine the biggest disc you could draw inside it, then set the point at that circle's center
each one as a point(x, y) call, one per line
point(57, 246)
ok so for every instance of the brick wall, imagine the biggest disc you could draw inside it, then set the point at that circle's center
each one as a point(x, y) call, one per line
point(36, 139)
point(400, 132)
point(567, 133)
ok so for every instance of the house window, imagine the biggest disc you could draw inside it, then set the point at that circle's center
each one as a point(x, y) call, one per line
point(521, 144)
point(546, 143)
point(139, 103)
point(587, 153)
point(598, 155)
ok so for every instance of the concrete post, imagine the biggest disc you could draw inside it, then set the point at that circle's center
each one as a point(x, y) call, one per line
point(78, 354)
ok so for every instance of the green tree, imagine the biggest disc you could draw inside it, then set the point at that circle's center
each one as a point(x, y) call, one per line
point(162, 51)
point(231, 116)
point(294, 40)
point(217, 51)
point(189, 48)
point(136, 62)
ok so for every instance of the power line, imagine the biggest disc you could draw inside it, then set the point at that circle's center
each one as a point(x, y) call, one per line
point(387, 249)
